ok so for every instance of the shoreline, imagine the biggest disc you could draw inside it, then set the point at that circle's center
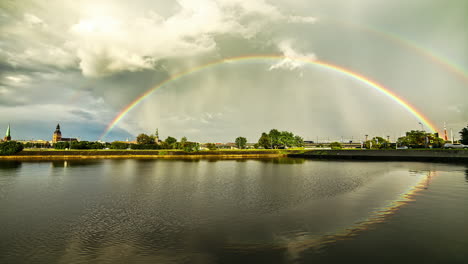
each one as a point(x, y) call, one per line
point(439, 155)
point(90, 157)
point(146, 154)
point(432, 155)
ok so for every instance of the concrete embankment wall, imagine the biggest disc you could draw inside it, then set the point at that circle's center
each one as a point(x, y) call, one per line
point(397, 155)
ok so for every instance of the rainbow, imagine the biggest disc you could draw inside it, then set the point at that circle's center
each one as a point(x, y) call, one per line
point(320, 64)
point(432, 55)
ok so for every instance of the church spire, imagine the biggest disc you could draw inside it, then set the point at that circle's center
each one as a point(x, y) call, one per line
point(7, 134)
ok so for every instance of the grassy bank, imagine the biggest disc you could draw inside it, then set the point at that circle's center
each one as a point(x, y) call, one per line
point(155, 154)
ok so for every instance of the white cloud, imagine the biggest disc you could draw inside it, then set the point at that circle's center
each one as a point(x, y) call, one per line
point(108, 37)
point(107, 43)
point(290, 61)
point(32, 20)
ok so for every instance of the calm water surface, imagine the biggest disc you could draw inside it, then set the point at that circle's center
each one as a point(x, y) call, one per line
point(231, 211)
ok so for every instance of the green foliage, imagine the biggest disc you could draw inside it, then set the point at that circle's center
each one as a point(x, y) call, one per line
point(10, 147)
point(336, 145)
point(299, 141)
point(169, 143)
point(62, 145)
point(144, 146)
point(118, 145)
point(420, 139)
point(276, 139)
point(377, 143)
point(210, 146)
point(145, 139)
point(264, 141)
point(464, 136)
point(178, 145)
point(163, 145)
point(241, 142)
point(191, 146)
point(37, 145)
point(86, 145)
point(79, 145)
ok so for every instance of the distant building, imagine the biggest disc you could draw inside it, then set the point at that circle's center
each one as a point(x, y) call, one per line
point(7, 134)
point(57, 137)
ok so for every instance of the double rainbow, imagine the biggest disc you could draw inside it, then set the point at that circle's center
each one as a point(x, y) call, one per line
point(324, 65)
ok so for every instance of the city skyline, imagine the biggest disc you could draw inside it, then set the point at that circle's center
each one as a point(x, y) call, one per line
point(85, 69)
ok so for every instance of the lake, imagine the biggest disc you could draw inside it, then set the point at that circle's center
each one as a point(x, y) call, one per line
point(233, 211)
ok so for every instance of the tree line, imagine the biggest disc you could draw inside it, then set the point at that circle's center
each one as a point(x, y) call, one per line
point(276, 139)
point(10, 147)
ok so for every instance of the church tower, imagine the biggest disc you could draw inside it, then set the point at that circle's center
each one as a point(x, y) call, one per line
point(57, 135)
point(7, 135)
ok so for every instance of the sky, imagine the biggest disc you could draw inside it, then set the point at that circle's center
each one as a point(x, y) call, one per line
point(79, 63)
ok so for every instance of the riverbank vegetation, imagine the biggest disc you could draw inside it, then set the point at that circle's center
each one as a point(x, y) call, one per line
point(421, 139)
point(279, 140)
point(10, 147)
point(464, 136)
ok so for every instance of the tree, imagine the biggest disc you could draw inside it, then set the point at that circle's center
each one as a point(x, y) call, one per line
point(210, 146)
point(86, 145)
point(170, 143)
point(118, 145)
point(144, 146)
point(464, 136)
point(275, 138)
point(241, 142)
point(286, 139)
point(420, 139)
point(61, 145)
point(191, 146)
point(264, 141)
point(335, 145)
point(181, 144)
point(145, 139)
point(10, 147)
point(377, 143)
point(299, 141)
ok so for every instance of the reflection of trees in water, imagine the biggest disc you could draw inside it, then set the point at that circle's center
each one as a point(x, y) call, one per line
point(466, 175)
point(72, 163)
point(283, 160)
point(9, 164)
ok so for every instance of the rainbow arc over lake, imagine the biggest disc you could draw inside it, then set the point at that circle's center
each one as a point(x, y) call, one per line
point(266, 58)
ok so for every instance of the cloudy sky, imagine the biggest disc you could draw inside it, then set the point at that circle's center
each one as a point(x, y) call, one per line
point(78, 63)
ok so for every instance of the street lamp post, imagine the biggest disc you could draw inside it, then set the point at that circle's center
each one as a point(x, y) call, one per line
point(422, 126)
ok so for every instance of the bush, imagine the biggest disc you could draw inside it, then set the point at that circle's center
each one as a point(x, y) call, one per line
point(79, 145)
point(86, 145)
point(118, 145)
point(335, 145)
point(191, 147)
point(210, 146)
point(10, 147)
point(144, 146)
